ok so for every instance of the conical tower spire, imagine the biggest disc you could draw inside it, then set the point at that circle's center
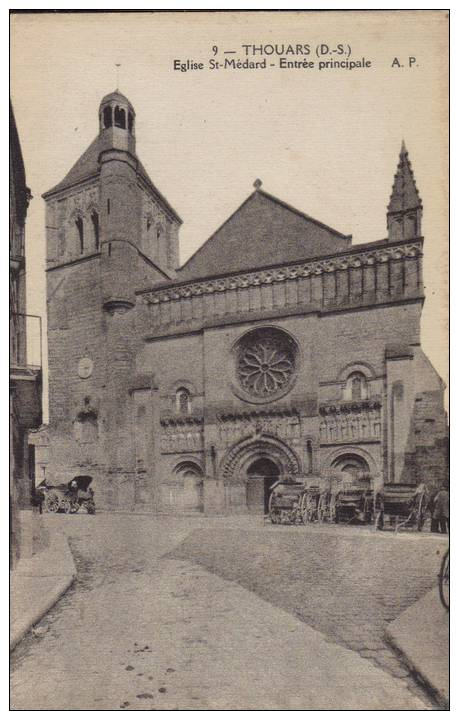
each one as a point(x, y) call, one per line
point(405, 206)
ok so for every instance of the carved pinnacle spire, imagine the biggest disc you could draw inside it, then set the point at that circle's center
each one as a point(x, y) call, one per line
point(405, 194)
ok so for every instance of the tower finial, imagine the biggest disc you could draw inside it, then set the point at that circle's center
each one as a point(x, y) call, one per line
point(117, 76)
point(405, 206)
point(257, 184)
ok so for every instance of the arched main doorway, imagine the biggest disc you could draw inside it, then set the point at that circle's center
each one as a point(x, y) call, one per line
point(252, 465)
point(261, 475)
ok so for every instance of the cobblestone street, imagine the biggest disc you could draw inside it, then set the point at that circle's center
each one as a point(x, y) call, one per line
point(146, 626)
point(349, 583)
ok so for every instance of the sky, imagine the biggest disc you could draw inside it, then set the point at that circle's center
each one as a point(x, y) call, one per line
point(326, 142)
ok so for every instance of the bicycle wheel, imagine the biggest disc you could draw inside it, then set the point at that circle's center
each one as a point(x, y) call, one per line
point(443, 581)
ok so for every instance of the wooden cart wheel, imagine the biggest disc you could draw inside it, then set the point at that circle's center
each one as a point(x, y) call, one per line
point(321, 510)
point(302, 510)
point(332, 514)
point(443, 581)
point(65, 505)
point(368, 510)
point(52, 503)
point(309, 512)
point(421, 512)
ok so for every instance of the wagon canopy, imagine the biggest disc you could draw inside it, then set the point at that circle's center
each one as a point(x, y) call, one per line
point(287, 486)
point(82, 482)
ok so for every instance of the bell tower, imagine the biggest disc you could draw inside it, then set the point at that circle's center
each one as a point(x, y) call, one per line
point(117, 121)
point(109, 232)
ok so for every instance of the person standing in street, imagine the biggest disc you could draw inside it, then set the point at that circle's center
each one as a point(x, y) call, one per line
point(441, 510)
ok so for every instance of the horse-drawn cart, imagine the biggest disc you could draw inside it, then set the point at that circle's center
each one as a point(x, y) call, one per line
point(310, 502)
point(354, 502)
point(401, 505)
point(68, 498)
point(286, 502)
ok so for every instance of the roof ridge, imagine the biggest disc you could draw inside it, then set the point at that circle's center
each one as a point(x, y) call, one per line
point(302, 214)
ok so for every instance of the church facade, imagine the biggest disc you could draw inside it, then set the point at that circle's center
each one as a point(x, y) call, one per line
point(279, 349)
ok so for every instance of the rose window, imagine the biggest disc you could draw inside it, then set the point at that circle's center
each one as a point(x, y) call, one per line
point(265, 363)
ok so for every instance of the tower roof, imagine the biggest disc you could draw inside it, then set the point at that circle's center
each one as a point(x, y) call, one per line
point(88, 166)
point(405, 195)
point(117, 96)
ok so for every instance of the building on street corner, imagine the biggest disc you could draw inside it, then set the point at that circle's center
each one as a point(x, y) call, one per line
point(25, 391)
point(279, 349)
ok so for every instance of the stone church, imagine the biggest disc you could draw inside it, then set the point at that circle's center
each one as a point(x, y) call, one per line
point(279, 349)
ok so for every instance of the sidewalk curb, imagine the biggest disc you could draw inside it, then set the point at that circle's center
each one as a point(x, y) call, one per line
point(62, 583)
point(412, 655)
point(20, 632)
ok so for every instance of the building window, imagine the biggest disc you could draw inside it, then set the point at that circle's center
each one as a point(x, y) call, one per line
point(120, 117)
point(183, 401)
point(107, 117)
point(130, 122)
point(356, 387)
point(79, 226)
point(95, 225)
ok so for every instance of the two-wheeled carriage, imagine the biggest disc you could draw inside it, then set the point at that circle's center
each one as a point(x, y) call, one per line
point(401, 506)
point(354, 502)
point(286, 502)
point(310, 502)
point(68, 498)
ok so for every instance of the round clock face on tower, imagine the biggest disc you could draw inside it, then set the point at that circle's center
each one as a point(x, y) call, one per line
point(85, 367)
point(265, 361)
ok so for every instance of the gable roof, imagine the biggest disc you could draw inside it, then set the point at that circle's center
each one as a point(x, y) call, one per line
point(261, 232)
point(87, 166)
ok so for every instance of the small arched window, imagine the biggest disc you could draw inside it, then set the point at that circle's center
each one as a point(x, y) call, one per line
point(356, 387)
point(183, 401)
point(95, 225)
point(80, 228)
point(130, 122)
point(108, 117)
point(120, 117)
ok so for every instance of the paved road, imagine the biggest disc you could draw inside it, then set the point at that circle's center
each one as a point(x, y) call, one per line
point(347, 582)
point(143, 630)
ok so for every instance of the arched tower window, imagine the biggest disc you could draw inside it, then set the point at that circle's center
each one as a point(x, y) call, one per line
point(183, 401)
point(120, 117)
point(95, 225)
point(80, 228)
point(130, 122)
point(108, 119)
point(356, 386)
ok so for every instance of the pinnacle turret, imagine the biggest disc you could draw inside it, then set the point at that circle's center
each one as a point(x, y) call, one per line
point(405, 206)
